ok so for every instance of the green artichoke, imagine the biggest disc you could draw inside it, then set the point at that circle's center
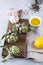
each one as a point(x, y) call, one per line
point(24, 28)
point(12, 39)
point(15, 28)
point(15, 50)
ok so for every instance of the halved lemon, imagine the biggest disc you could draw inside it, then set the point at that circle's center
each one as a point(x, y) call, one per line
point(38, 43)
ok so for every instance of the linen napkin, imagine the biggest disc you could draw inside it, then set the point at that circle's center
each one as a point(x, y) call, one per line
point(36, 54)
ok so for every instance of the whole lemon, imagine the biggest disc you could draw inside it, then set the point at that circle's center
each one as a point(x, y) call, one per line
point(38, 43)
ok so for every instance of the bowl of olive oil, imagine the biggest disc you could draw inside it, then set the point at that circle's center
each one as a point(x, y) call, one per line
point(35, 21)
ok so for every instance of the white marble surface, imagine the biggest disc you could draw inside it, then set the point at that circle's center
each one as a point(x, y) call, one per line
point(5, 5)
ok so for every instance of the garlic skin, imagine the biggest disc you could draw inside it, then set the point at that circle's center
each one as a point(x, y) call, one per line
point(14, 19)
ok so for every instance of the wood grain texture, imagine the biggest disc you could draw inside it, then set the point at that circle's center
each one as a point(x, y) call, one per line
point(21, 43)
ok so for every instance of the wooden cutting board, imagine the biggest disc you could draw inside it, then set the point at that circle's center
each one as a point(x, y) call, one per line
point(21, 43)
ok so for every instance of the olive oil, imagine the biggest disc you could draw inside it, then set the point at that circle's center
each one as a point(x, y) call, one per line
point(35, 21)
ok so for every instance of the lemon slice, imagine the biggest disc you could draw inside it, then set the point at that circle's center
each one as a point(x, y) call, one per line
point(38, 43)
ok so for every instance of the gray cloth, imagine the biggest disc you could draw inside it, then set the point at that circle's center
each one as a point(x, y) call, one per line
point(32, 52)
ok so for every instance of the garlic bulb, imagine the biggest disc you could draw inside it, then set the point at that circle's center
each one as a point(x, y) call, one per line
point(14, 19)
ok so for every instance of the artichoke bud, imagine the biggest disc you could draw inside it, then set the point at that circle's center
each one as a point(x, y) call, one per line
point(12, 39)
point(15, 50)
